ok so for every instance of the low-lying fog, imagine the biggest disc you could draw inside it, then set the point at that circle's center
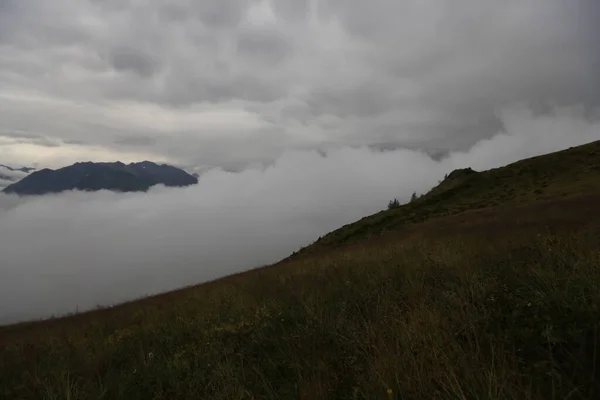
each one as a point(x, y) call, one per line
point(74, 251)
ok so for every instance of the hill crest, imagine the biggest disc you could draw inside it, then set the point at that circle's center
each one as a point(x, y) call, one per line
point(564, 173)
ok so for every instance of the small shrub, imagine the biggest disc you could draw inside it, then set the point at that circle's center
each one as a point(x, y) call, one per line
point(393, 204)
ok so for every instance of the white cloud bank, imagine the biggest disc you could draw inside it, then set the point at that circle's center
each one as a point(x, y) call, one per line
point(74, 250)
point(8, 176)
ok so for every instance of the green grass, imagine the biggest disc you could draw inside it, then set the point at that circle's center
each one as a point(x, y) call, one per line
point(491, 303)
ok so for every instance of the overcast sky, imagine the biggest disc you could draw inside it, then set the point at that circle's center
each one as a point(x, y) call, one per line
point(302, 115)
point(229, 83)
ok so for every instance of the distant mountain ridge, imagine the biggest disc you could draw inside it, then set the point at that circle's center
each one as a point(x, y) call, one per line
point(22, 169)
point(9, 175)
point(93, 176)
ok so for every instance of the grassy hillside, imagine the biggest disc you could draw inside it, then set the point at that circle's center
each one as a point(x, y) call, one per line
point(488, 287)
point(567, 173)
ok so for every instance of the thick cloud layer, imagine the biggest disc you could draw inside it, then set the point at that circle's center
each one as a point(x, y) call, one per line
point(78, 250)
point(227, 83)
point(8, 176)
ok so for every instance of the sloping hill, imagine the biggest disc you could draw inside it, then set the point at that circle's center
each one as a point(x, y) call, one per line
point(567, 173)
point(488, 287)
point(90, 176)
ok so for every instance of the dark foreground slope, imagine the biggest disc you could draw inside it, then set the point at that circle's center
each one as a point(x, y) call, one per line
point(496, 302)
point(90, 176)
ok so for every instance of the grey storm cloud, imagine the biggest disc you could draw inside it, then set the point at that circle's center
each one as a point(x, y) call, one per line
point(125, 59)
point(320, 73)
point(136, 141)
point(266, 46)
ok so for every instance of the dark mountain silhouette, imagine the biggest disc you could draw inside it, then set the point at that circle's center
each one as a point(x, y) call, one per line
point(91, 176)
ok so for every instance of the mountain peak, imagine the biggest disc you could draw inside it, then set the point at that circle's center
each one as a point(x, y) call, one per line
point(93, 176)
